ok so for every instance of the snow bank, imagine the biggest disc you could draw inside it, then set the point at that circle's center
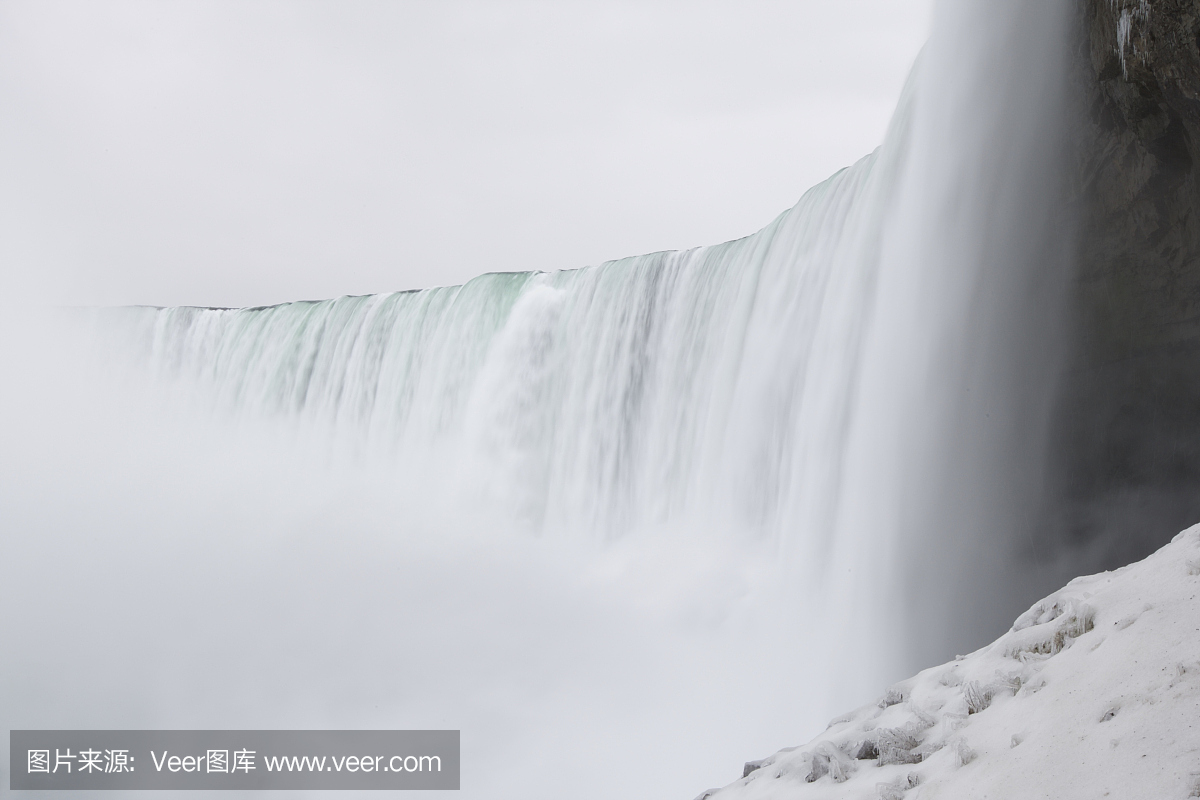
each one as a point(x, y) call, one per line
point(1094, 692)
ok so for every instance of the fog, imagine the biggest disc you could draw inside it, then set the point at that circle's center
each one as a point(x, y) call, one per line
point(160, 572)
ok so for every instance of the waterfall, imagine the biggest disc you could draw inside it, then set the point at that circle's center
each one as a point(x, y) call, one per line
point(713, 381)
point(826, 438)
point(813, 385)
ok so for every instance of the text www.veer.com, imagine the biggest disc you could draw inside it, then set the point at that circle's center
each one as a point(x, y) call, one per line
point(353, 764)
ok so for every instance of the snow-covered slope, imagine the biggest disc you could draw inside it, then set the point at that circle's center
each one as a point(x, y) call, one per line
point(1095, 692)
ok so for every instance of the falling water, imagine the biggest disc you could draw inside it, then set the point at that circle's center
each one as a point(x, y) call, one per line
point(724, 383)
point(857, 393)
point(710, 381)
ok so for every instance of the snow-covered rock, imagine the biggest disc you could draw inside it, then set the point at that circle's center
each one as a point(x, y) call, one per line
point(1094, 692)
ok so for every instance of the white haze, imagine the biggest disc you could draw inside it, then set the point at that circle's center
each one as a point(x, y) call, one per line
point(175, 561)
point(234, 154)
point(157, 573)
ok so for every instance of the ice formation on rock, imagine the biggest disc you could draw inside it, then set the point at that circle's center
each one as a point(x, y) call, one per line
point(1094, 692)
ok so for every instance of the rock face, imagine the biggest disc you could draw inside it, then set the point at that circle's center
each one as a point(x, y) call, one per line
point(1127, 439)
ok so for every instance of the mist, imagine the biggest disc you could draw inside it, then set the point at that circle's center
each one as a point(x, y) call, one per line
point(161, 572)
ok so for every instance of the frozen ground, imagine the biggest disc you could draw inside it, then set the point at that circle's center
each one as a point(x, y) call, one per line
point(1095, 692)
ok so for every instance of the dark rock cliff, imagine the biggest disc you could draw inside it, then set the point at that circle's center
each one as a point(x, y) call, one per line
point(1127, 437)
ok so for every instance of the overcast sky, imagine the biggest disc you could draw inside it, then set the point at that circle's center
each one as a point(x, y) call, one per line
point(237, 153)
